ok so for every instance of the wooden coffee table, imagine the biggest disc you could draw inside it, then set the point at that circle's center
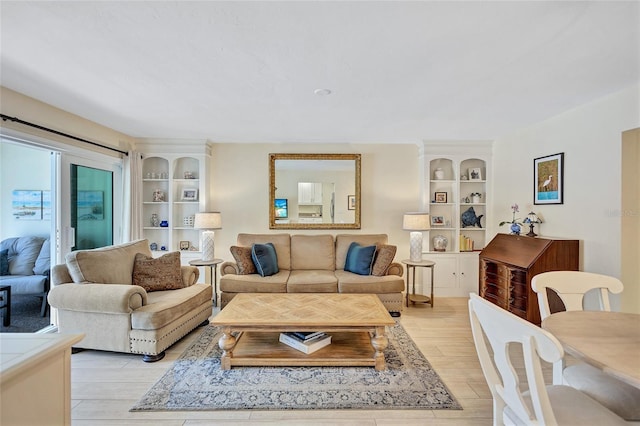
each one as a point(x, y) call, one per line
point(356, 323)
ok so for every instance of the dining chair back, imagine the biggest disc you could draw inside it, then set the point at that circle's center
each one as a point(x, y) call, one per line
point(533, 403)
point(571, 286)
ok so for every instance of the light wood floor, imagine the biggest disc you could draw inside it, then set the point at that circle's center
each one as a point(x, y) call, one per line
point(105, 385)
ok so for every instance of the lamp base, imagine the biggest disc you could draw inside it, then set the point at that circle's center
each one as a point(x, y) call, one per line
point(415, 246)
point(531, 233)
point(208, 246)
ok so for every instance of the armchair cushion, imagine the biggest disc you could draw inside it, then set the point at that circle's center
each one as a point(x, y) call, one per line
point(383, 259)
point(88, 266)
point(242, 256)
point(163, 273)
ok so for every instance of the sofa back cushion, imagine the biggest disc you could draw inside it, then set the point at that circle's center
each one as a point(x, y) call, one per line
point(106, 265)
point(281, 242)
point(43, 262)
point(312, 252)
point(22, 254)
point(343, 241)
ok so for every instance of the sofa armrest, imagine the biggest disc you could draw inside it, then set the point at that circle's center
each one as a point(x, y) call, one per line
point(100, 298)
point(229, 268)
point(395, 269)
point(190, 275)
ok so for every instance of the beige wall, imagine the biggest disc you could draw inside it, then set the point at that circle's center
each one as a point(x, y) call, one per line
point(240, 188)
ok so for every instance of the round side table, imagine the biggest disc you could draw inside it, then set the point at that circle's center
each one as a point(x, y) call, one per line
point(213, 264)
point(411, 271)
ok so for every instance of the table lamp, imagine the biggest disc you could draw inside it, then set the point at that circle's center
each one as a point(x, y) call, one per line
point(416, 222)
point(207, 222)
point(531, 220)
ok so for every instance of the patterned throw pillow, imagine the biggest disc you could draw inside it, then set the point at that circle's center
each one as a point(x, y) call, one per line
point(384, 257)
point(158, 274)
point(359, 259)
point(265, 258)
point(242, 256)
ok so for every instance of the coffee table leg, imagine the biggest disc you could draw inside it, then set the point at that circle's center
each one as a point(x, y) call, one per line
point(379, 342)
point(227, 342)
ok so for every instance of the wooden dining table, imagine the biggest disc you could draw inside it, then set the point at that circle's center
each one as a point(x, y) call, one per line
point(607, 340)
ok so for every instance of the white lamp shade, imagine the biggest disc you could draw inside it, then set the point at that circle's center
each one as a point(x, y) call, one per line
point(209, 220)
point(416, 221)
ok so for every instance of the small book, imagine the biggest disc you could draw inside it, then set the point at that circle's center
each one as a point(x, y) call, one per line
point(308, 346)
point(306, 335)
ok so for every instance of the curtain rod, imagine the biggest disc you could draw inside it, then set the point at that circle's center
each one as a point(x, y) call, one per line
point(46, 129)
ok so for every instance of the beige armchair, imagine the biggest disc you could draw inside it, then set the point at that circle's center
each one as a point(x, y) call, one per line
point(95, 294)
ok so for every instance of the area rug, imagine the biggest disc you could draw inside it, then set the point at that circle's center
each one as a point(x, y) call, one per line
point(195, 382)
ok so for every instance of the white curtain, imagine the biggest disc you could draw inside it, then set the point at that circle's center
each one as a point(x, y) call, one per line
point(132, 211)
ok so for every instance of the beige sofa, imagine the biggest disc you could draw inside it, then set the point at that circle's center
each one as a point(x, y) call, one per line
point(95, 295)
point(314, 264)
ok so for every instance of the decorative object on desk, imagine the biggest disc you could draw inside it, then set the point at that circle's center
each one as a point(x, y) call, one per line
point(440, 197)
point(531, 220)
point(438, 174)
point(155, 220)
point(415, 222)
point(158, 196)
point(184, 245)
point(164, 224)
point(475, 173)
point(207, 222)
point(437, 220)
point(515, 223)
point(469, 218)
point(189, 194)
point(548, 175)
point(195, 382)
point(440, 243)
point(475, 197)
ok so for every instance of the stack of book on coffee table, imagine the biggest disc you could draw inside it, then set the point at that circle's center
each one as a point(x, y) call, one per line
point(307, 342)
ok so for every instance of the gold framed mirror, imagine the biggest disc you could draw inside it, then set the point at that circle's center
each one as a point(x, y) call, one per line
point(314, 191)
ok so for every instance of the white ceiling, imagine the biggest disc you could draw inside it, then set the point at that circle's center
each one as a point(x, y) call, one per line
point(399, 72)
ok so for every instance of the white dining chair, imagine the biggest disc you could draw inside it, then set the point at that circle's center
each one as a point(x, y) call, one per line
point(571, 287)
point(533, 403)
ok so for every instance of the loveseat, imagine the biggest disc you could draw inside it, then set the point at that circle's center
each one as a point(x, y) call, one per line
point(314, 264)
point(24, 266)
point(123, 300)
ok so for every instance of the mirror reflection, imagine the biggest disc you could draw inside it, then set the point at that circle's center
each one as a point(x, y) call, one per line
point(314, 191)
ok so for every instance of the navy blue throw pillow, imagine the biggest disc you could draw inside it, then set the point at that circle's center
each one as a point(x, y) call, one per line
point(265, 259)
point(359, 259)
point(4, 262)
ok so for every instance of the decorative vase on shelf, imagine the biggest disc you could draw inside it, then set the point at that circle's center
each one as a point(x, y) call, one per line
point(164, 224)
point(440, 243)
point(155, 221)
point(439, 174)
point(515, 229)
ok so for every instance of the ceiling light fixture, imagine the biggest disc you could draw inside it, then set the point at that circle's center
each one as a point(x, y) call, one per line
point(322, 92)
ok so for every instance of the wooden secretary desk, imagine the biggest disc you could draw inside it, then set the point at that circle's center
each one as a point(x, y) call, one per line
point(508, 263)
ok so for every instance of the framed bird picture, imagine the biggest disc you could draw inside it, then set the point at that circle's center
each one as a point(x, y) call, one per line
point(548, 184)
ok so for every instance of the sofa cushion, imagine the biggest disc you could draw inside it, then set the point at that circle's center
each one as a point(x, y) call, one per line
point(359, 259)
point(265, 259)
point(25, 284)
point(384, 256)
point(254, 283)
point(343, 241)
point(312, 252)
point(22, 255)
point(312, 281)
point(106, 265)
point(349, 282)
point(4, 262)
point(163, 307)
point(43, 262)
point(282, 243)
point(242, 256)
point(163, 273)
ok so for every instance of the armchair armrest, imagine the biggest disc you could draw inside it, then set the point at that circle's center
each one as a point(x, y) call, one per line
point(190, 275)
point(229, 268)
point(395, 269)
point(101, 298)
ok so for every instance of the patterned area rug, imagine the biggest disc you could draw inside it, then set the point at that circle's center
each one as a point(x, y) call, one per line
point(195, 382)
